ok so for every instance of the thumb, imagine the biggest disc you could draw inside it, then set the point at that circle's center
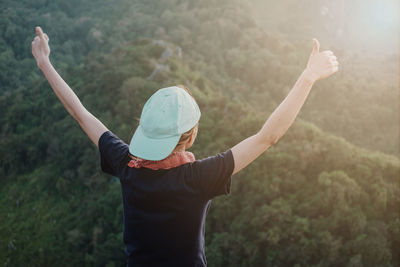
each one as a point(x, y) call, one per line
point(39, 32)
point(316, 47)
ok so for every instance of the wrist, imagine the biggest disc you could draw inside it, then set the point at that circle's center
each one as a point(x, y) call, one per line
point(44, 64)
point(309, 76)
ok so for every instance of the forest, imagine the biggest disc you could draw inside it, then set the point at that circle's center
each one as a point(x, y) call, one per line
point(327, 194)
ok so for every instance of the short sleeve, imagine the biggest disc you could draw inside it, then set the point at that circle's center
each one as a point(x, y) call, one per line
point(113, 153)
point(213, 174)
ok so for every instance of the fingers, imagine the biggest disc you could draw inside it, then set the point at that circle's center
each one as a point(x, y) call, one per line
point(331, 57)
point(327, 53)
point(35, 41)
point(46, 37)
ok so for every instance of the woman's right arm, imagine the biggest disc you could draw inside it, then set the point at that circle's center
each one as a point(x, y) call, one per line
point(320, 65)
point(92, 126)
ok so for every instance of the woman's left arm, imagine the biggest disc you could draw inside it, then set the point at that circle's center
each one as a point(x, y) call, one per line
point(90, 124)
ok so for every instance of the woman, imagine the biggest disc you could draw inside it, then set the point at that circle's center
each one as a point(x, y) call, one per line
point(166, 192)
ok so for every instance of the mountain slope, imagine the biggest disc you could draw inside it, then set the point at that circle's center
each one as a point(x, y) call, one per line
point(311, 199)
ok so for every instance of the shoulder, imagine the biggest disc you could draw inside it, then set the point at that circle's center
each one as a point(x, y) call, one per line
point(107, 135)
point(113, 152)
point(108, 138)
point(213, 174)
point(225, 157)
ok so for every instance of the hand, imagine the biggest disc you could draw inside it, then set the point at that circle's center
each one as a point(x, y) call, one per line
point(40, 47)
point(321, 64)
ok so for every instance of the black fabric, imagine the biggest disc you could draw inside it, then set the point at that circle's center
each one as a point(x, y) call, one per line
point(165, 210)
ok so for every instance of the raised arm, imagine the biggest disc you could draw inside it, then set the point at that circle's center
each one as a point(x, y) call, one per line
point(320, 65)
point(90, 124)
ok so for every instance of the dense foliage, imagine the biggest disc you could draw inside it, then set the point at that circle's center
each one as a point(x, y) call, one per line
point(313, 199)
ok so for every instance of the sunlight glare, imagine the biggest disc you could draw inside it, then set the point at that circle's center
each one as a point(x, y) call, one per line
point(383, 14)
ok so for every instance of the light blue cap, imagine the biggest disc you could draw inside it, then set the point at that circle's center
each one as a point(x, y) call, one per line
point(167, 114)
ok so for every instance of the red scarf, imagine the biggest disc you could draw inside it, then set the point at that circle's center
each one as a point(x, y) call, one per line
point(175, 159)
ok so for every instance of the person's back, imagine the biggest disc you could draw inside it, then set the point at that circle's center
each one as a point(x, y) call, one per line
point(165, 209)
point(166, 193)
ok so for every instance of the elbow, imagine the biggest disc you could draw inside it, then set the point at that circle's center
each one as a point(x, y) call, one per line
point(79, 115)
point(77, 118)
point(268, 140)
point(272, 140)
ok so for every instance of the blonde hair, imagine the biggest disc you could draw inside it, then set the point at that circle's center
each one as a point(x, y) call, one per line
point(186, 135)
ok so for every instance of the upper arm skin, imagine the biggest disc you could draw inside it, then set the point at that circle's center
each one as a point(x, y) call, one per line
point(248, 150)
point(91, 126)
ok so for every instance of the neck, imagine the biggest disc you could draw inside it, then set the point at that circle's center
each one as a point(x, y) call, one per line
point(181, 149)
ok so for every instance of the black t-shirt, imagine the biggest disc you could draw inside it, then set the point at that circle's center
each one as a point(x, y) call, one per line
point(165, 210)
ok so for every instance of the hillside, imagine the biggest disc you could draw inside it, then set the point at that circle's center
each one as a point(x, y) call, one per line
point(313, 199)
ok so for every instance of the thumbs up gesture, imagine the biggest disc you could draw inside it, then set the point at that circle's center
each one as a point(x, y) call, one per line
point(321, 65)
point(40, 47)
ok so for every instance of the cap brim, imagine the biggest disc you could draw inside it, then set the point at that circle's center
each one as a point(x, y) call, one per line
point(150, 148)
